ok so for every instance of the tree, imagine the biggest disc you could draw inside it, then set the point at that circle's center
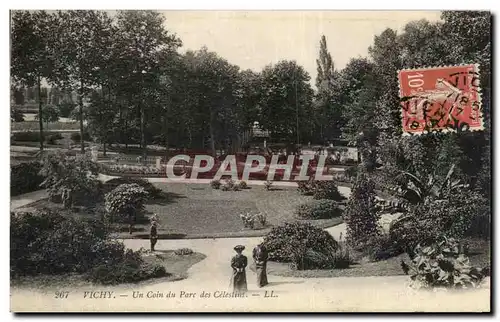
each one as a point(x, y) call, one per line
point(50, 113)
point(73, 179)
point(328, 114)
point(361, 212)
point(286, 102)
point(214, 84)
point(91, 30)
point(359, 96)
point(32, 53)
point(143, 44)
point(101, 118)
point(385, 54)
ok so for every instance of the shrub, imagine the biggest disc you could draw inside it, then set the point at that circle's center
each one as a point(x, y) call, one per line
point(25, 177)
point(16, 115)
point(306, 187)
point(183, 251)
point(126, 202)
point(243, 185)
point(457, 217)
point(131, 269)
point(319, 209)
point(268, 185)
point(72, 179)
point(380, 247)
point(290, 241)
point(342, 257)
point(443, 264)
point(215, 184)
point(360, 214)
point(75, 136)
point(326, 190)
point(52, 138)
point(229, 185)
point(251, 221)
point(44, 242)
point(26, 136)
point(150, 188)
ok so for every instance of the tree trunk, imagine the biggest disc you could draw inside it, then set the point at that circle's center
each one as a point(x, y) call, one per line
point(166, 131)
point(125, 130)
point(40, 121)
point(104, 148)
point(80, 103)
point(143, 137)
point(212, 136)
point(190, 145)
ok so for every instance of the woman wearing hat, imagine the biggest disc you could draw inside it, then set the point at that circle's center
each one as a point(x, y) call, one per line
point(260, 256)
point(239, 263)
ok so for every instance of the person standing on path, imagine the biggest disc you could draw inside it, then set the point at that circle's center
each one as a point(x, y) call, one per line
point(260, 256)
point(239, 263)
point(153, 235)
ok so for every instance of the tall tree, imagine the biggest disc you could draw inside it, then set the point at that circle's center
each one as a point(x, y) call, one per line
point(215, 86)
point(328, 112)
point(144, 41)
point(90, 31)
point(286, 102)
point(32, 52)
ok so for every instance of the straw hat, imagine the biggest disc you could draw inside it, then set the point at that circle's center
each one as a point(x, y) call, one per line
point(239, 248)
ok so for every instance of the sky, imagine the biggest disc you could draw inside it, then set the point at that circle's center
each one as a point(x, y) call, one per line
point(254, 39)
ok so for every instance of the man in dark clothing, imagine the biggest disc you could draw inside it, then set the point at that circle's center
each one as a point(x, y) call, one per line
point(153, 235)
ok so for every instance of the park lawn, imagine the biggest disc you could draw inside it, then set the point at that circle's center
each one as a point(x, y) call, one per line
point(188, 210)
point(479, 256)
point(175, 265)
point(198, 211)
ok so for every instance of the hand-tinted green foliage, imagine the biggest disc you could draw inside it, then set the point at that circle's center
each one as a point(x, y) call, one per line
point(319, 209)
point(286, 241)
point(44, 242)
point(25, 177)
point(327, 189)
point(151, 189)
point(462, 214)
point(360, 214)
point(73, 179)
point(125, 202)
point(443, 264)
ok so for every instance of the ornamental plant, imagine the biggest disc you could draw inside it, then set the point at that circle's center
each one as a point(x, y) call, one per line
point(126, 202)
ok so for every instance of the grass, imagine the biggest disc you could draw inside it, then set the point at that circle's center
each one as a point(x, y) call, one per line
point(176, 266)
point(479, 255)
point(35, 126)
point(197, 210)
point(188, 210)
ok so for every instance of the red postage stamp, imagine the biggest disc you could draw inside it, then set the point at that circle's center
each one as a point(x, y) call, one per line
point(440, 99)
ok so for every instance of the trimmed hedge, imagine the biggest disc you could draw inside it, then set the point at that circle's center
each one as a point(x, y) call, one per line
point(319, 209)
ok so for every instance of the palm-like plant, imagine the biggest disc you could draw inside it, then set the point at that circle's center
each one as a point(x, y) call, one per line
point(418, 190)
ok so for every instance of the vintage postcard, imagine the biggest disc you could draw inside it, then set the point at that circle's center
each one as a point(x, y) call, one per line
point(250, 161)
